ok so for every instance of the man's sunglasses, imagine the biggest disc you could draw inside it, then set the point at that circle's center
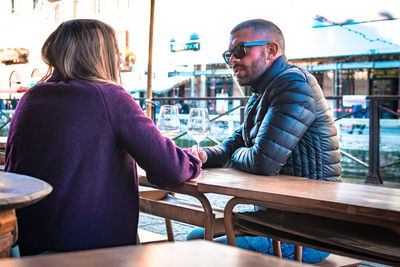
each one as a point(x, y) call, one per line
point(239, 51)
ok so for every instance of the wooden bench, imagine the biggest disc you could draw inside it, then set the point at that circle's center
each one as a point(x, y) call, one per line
point(369, 242)
point(166, 205)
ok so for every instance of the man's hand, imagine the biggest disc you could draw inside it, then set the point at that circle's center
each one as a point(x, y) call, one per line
point(199, 154)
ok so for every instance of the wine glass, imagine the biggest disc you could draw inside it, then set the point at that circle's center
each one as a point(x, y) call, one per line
point(168, 121)
point(198, 125)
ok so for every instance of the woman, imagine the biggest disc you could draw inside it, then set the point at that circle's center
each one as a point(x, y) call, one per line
point(82, 133)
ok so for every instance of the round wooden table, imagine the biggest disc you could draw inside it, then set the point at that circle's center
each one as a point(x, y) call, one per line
point(16, 191)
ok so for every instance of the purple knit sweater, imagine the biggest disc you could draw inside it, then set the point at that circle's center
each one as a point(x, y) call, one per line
point(84, 139)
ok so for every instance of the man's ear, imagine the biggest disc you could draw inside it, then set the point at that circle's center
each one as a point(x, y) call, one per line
point(273, 49)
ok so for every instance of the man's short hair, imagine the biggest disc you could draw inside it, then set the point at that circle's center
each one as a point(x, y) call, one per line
point(263, 26)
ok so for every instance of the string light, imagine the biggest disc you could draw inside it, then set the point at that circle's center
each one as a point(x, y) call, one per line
point(342, 25)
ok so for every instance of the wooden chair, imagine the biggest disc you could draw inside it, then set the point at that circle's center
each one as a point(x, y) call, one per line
point(167, 205)
point(370, 242)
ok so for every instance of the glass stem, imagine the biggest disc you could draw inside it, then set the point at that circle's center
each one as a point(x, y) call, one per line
point(195, 147)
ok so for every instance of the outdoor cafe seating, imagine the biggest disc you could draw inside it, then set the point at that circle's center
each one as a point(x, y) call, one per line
point(166, 205)
point(373, 242)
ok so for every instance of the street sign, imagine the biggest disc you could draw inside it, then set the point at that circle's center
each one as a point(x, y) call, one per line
point(192, 46)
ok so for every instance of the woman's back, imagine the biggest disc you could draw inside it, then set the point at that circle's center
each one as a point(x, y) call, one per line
point(79, 137)
point(83, 134)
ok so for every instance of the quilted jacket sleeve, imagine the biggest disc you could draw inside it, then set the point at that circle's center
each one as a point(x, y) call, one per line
point(290, 113)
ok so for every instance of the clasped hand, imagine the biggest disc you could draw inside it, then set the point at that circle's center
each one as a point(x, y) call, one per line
point(199, 153)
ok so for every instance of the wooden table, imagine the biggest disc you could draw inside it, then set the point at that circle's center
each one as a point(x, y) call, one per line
point(352, 202)
point(340, 205)
point(16, 191)
point(170, 254)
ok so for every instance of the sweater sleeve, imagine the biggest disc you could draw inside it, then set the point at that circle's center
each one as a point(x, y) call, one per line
point(165, 164)
point(290, 114)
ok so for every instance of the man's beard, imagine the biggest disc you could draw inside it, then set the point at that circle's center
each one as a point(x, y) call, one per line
point(253, 71)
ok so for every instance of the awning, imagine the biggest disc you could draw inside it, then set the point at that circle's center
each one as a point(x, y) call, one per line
point(14, 55)
point(369, 38)
point(133, 83)
point(159, 87)
point(20, 89)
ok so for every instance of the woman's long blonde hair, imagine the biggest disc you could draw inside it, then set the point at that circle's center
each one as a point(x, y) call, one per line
point(83, 49)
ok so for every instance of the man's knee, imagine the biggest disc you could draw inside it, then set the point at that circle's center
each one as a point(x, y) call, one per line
point(197, 233)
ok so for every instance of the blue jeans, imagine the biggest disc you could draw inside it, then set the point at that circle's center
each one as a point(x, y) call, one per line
point(264, 245)
point(21, 250)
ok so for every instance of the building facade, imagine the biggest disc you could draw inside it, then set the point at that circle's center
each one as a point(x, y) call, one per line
point(26, 24)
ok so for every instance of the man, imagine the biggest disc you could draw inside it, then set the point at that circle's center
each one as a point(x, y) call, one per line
point(288, 128)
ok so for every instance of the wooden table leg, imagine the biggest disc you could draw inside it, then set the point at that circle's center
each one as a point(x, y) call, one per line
point(230, 231)
point(208, 220)
point(228, 221)
point(276, 244)
point(170, 230)
point(298, 253)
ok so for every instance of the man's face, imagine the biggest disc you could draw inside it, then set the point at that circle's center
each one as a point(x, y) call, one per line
point(255, 62)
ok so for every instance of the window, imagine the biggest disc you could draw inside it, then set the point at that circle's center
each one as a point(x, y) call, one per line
point(97, 6)
point(346, 82)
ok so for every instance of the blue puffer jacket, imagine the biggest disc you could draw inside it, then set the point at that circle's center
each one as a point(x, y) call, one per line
point(288, 129)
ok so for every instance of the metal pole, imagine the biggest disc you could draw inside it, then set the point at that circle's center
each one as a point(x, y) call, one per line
point(336, 91)
point(374, 138)
point(398, 91)
point(242, 110)
point(149, 94)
